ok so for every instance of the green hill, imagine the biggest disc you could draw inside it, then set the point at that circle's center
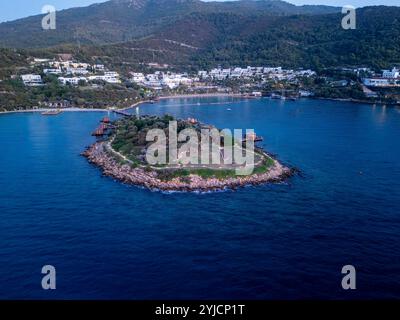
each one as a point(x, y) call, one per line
point(125, 20)
point(191, 34)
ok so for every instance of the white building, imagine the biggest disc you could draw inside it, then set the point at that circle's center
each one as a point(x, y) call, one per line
point(305, 93)
point(37, 61)
point(79, 70)
point(99, 67)
point(52, 71)
point(256, 94)
point(306, 73)
point(109, 77)
point(32, 80)
point(173, 81)
point(138, 77)
point(376, 82)
point(203, 74)
point(72, 81)
point(112, 74)
point(272, 70)
point(394, 74)
point(236, 73)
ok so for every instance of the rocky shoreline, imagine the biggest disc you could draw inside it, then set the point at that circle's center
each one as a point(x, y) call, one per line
point(97, 155)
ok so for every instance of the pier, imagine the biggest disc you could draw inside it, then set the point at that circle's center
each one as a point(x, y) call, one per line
point(122, 113)
point(101, 130)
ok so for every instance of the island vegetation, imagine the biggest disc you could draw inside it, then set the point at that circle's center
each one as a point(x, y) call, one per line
point(122, 155)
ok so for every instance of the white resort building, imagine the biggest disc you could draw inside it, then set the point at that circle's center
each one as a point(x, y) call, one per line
point(32, 80)
point(388, 79)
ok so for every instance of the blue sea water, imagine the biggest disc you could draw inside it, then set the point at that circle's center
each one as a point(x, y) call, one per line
point(278, 241)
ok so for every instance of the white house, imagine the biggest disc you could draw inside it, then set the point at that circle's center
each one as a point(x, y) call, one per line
point(52, 71)
point(72, 81)
point(78, 70)
point(203, 74)
point(376, 82)
point(305, 93)
point(32, 80)
point(236, 73)
point(138, 77)
point(37, 61)
point(109, 77)
point(99, 67)
point(394, 74)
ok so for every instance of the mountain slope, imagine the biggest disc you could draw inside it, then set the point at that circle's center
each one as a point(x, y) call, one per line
point(299, 40)
point(202, 40)
point(124, 20)
point(190, 34)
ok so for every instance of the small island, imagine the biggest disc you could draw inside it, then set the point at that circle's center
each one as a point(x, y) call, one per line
point(121, 154)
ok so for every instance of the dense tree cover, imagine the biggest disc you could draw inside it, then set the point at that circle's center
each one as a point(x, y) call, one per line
point(130, 134)
point(13, 95)
point(350, 92)
point(125, 20)
point(312, 42)
point(10, 61)
point(190, 35)
point(205, 40)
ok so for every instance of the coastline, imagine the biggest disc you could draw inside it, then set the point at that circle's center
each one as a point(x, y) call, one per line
point(203, 95)
point(357, 101)
point(48, 109)
point(187, 96)
point(98, 156)
point(182, 96)
point(136, 104)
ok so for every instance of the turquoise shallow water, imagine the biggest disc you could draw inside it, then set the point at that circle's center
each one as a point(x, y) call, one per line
point(112, 241)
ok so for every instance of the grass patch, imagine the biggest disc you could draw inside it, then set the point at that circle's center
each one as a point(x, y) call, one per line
point(207, 173)
point(267, 164)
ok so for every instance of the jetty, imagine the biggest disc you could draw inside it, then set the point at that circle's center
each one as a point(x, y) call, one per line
point(101, 130)
point(122, 113)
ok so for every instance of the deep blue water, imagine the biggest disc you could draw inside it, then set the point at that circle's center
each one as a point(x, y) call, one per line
point(282, 241)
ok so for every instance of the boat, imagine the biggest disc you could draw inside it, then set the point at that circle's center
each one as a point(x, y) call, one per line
point(276, 96)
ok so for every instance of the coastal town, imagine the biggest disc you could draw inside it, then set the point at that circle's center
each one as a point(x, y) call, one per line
point(95, 85)
point(69, 72)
